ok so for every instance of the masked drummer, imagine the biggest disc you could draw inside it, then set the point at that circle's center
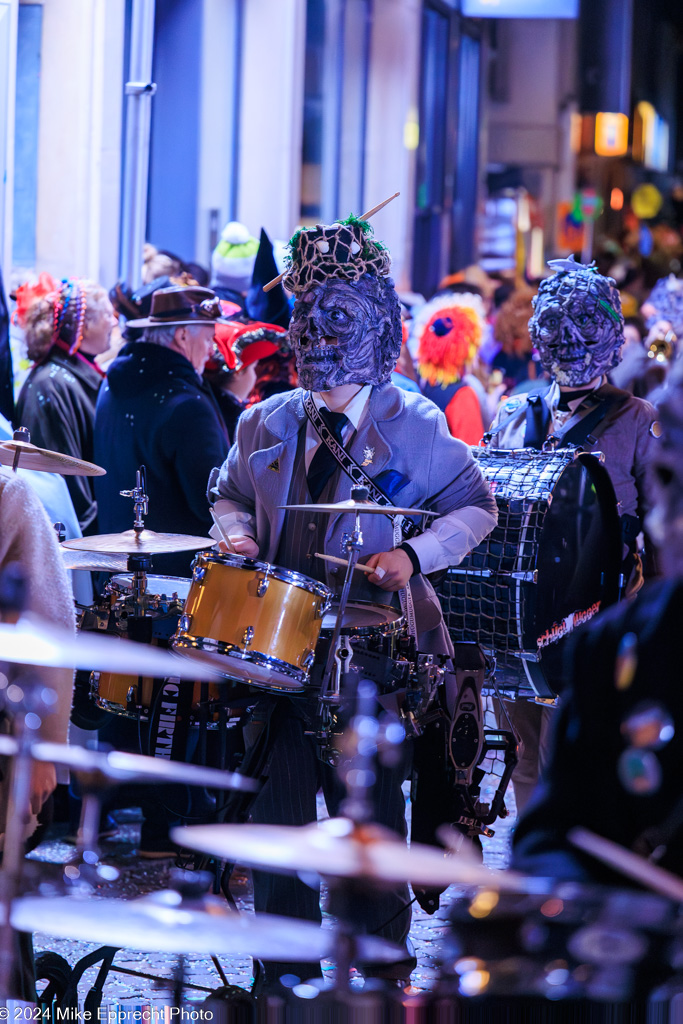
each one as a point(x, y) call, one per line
point(578, 328)
point(346, 334)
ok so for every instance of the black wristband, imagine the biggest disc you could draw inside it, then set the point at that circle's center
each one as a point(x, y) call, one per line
point(410, 551)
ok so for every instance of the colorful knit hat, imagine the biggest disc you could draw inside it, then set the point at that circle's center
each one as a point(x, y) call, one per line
point(232, 261)
point(345, 250)
point(449, 330)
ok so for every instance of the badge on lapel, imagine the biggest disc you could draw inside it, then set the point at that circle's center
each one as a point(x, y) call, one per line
point(275, 465)
point(368, 456)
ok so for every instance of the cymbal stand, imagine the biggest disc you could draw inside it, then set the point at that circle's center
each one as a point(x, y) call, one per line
point(21, 434)
point(330, 690)
point(139, 565)
point(27, 701)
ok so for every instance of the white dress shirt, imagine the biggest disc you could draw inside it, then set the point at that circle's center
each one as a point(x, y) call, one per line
point(446, 540)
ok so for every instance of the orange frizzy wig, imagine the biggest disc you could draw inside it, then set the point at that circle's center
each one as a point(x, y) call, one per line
point(449, 330)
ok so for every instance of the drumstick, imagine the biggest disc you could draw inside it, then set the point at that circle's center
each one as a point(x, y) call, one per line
point(342, 561)
point(627, 863)
point(219, 527)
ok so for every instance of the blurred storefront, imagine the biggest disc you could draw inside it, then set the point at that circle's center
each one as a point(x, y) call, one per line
point(278, 112)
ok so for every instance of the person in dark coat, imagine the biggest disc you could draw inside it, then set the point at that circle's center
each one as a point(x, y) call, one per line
point(155, 410)
point(64, 331)
point(615, 767)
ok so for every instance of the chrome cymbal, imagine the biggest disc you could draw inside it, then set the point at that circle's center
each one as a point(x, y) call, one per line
point(142, 542)
point(162, 922)
point(337, 848)
point(363, 507)
point(42, 459)
point(117, 766)
point(93, 562)
point(35, 641)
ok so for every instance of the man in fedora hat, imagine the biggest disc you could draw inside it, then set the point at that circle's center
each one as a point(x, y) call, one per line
point(155, 410)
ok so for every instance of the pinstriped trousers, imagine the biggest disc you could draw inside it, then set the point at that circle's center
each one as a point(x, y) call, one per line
point(295, 773)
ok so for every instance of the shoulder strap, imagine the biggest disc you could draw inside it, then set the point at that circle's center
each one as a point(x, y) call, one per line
point(602, 403)
point(356, 473)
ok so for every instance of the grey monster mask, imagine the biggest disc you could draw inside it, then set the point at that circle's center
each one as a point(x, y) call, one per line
point(346, 332)
point(577, 326)
point(346, 323)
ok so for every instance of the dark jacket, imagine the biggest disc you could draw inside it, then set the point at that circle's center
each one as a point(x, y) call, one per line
point(57, 405)
point(585, 777)
point(155, 411)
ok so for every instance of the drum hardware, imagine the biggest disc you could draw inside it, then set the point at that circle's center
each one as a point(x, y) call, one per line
point(359, 505)
point(19, 453)
point(140, 498)
point(35, 641)
point(340, 848)
point(262, 587)
point(143, 542)
point(248, 634)
point(527, 577)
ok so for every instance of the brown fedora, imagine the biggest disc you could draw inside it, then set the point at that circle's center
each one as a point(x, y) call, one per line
point(177, 306)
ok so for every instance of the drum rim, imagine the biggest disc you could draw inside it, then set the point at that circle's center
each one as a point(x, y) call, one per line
point(275, 572)
point(187, 642)
point(385, 629)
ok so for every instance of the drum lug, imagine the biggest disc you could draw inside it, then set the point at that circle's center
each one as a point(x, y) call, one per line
point(130, 698)
point(94, 681)
point(185, 622)
point(308, 659)
point(262, 587)
point(248, 636)
point(198, 573)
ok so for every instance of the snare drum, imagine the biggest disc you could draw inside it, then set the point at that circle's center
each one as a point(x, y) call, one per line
point(258, 623)
point(375, 633)
point(377, 627)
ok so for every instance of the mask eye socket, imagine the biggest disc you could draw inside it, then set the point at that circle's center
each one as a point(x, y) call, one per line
point(337, 316)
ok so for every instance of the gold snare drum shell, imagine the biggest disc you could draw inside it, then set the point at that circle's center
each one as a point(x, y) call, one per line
point(257, 622)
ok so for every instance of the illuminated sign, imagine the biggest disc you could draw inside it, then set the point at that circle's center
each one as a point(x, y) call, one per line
point(611, 134)
point(520, 8)
point(650, 138)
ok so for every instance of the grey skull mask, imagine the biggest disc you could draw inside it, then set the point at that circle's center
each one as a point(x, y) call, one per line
point(346, 332)
point(577, 326)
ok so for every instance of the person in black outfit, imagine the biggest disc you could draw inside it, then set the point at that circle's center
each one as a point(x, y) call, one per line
point(155, 410)
point(64, 332)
